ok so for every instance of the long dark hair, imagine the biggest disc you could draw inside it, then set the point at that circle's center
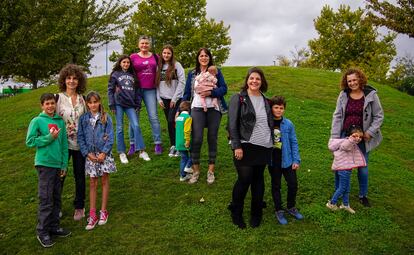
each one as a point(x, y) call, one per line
point(210, 61)
point(170, 73)
point(263, 86)
point(117, 67)
point(96, 95)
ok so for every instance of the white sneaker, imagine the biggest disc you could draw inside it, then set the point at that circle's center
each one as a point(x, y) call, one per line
point(177, 154)
point(144, 156)
point(333, 207)
point(347, 208)
point(171, 152)
point(210, 177)
point(123, 158)
point(185, 178)
point(188, 170)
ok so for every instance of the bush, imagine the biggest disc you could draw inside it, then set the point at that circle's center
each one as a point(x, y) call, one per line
point(407, 85)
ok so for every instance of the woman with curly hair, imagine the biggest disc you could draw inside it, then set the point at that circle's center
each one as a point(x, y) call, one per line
point(70, 105)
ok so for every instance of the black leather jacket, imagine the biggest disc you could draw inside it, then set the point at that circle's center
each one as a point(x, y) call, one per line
point(242, 118)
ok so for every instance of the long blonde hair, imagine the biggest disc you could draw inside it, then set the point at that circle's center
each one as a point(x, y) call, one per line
point(96, 95)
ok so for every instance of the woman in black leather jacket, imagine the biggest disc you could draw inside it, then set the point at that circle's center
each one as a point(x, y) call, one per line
point(250, 125)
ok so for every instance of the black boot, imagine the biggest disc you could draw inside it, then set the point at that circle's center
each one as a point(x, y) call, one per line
point(237, 215)
point(256, 215)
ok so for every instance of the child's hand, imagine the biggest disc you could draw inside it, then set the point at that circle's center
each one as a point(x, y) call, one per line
point(92, 157)
point(62, 173)
point(295, 166)
point(54, 132)
point(187, 144)
point(101, 157)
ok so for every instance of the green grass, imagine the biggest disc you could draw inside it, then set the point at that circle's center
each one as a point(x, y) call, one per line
point(151, 212)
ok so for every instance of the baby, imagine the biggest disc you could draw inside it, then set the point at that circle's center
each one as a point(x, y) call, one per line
point(206, 81)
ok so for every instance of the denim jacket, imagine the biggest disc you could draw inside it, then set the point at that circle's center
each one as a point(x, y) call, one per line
point(290, 146)
point(95, 139)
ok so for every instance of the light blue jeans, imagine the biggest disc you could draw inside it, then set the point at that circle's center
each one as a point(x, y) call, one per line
point(344, 187)
point(150, 99)
point(133, 125)
point(362, 172)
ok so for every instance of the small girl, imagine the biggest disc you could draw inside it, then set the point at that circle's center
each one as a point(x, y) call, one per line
point(125, 97)
point(346, 157)
point(95, 138)
point(206, 81)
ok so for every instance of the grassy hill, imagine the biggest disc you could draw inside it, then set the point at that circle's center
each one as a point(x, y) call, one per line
point(151, 212)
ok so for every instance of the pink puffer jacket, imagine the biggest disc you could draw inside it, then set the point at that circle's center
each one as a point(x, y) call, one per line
point(346, 153)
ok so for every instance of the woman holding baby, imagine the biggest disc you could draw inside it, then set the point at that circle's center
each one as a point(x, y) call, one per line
point(206, 98)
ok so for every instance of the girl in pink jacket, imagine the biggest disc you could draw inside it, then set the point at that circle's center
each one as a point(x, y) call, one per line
point(346, 157)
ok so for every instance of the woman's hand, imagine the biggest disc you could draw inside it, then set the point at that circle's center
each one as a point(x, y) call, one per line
point(206, 93)
point(238, 154)
point(367, 137)
point(172, 105)
point(161, 104)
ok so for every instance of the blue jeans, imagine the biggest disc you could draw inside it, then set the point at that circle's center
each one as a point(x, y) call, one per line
point(185, 162)
point(150, 99)
point(344, 187)
point(134, 126)
point(362, 172)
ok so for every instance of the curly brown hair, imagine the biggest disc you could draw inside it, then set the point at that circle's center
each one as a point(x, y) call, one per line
point(361, 76)
point(75, 70)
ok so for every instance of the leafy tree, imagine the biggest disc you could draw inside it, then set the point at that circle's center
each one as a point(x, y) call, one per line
point(40, 36)
point(299, 56)
point(181, 23)
point(347, 39)
point(399, 18)
point(283, 60)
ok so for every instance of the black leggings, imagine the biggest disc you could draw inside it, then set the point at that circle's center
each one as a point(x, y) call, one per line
point(170, 117)
point(249, 176)
point(78, 162)
point(211, 120)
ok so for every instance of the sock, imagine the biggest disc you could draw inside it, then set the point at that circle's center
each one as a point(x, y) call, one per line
point(92, 212)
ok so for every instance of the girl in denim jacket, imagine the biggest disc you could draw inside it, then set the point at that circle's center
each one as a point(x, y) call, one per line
point(95, 138)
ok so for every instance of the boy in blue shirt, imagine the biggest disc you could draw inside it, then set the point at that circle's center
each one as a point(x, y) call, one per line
point(285, 160)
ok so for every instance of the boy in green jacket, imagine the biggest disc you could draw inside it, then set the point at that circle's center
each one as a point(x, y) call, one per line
point(47, 133)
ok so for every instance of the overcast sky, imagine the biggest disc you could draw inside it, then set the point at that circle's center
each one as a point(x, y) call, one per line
point(260, 31)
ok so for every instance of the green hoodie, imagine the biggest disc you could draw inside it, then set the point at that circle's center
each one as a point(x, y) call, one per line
point(50, 152)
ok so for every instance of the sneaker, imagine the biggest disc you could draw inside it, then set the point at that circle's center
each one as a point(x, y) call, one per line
point(280, 216)
point(185, 178)
point(103, 217)
point(79, 214)
point(177, 154)
point(188, 170)
point(295, 213)
point(331, 206)
point(45, 241)
point(194, 178)
point(210, 177)
point(364, 201)
point(131, 150)
point(123, 158)
point(347, 208)
point(144, 156)
point(158, 149)
point(60, 232)
point(92, 221)
point(171, 152)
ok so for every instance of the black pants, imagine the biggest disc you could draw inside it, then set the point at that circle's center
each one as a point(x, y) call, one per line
point(78, 162)
point(170, 117)
point(49, 191)
point(292, 185)
point(249, 176)
point(210, 119)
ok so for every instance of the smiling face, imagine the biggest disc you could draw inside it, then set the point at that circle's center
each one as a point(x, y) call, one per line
point(254, 82)
point(49, 107)
point(125, 63)
point(71, 82)
point(166, 55)
point(353, 82)
point(144, 45)
point(278, 111)
point(93, 105)
point(203, 59)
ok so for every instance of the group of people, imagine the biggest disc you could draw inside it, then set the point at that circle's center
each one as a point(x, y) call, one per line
point(77, 127)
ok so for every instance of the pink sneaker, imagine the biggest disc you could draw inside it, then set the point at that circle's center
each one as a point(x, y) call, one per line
point(92, 221)
point(103, 217)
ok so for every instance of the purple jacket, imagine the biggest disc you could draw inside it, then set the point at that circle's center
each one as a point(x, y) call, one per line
point(346, 153)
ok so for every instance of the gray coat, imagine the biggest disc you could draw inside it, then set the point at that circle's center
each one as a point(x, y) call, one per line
point(373, 116)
